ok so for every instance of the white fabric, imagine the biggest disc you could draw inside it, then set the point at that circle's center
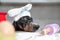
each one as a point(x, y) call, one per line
point(34, 36)
point(17, 11)
point(14, 12)
point(28, 6)
point(25, 13)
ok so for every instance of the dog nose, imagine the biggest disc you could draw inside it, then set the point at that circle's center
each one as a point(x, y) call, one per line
point(35, 27)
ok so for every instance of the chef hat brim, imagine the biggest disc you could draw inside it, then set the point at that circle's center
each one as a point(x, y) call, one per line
point(26, 13)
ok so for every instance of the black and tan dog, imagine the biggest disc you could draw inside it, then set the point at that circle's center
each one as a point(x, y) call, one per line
point(25, 24)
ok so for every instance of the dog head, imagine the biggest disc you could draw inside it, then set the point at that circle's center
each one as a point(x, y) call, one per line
point(24, 23)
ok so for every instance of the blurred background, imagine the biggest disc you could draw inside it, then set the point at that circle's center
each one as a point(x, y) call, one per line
point(43, 11)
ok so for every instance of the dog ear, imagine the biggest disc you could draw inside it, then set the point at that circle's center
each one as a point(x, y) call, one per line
point(16, 26)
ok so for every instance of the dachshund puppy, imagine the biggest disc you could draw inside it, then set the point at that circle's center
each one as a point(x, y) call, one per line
point(25, 24)
point(22, 19)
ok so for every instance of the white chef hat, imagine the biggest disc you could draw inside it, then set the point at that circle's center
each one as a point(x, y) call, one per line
point(17, 11)
point(25, 13)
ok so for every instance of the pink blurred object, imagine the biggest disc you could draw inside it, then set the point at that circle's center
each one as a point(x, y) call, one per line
point(3, 16)
point(54, 28)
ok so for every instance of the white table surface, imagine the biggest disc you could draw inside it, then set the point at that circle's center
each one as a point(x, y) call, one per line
point(36, 36)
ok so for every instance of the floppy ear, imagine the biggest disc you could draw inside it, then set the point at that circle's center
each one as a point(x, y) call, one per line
point(16, 26)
